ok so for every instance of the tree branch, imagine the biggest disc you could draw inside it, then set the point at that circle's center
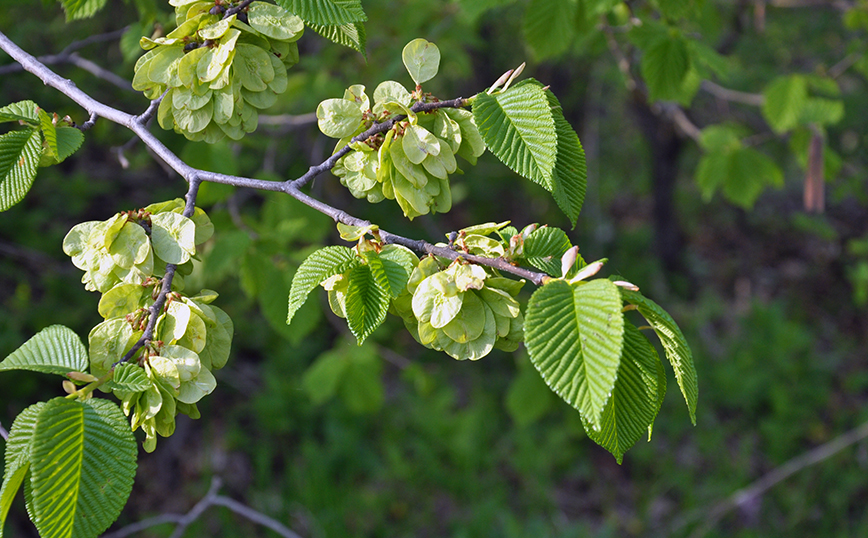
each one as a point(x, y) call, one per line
point(137, 124)
point(210, 499)
point(3, 433)
point(753, 99)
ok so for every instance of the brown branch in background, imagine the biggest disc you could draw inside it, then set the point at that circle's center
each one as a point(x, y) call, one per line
point(182, 521)
point(814, 195)
point(68, 55)
point(753, 99)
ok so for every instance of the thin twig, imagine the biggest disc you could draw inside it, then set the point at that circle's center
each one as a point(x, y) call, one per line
point(78, 61)
point(157, 308)
point(210, 499)
point(232, 11)
point(288, 120)
point(293, 188)
point(3, 433)
point(772, 478)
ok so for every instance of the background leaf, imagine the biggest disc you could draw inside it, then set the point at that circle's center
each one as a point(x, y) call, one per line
point(518, 127)
point(83, 465)
point(320, 265)
point(81, 9)
point(574, 336)
point(53, 350)
point(785, 97)
point(664, 66)
point(20, 152)
point(548, 26)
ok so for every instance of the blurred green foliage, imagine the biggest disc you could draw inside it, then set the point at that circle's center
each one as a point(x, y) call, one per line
point(392, 439)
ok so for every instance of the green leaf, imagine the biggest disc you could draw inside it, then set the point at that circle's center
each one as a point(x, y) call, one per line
point(518, 127)
point(544, 247)
point(350, 35)
point(321, 380)
point(18, 449)
point(326, 12)
point(129, 378)
point(53, 350)
point(742, 174)
point(422, 60)
point(574, 334)
point(570, 175)
point(548, 27)
point(674, 346)
point(69, 139)
point(822, 111)
point(26, 111)
point(83, 466)
point(785, 99)
point(398, 263)
point(20, 152)
point(361, 387)
point(664, 66)
point(632, 407)
point(320, 265)
point(81, 9)
point(366, 304)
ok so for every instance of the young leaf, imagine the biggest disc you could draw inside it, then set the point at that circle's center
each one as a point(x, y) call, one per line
point(544, 247)
point(350, 35)
point(367, 303)
point(69, 139)
point(570, 175)
point(18, 448)
point(26, 111)
point(129, 378)
point(632, 407)
point(574, 334)
point(548, 26)
point(81, 9)
point(674, 346)
point(320, 381)
point(53, 350)
point(785, 97)
point(20, 152)
point(83, 466)
point(422, 60)
point(518, 127)
point(398, 264)
point(320, 265)
point(326, 12)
